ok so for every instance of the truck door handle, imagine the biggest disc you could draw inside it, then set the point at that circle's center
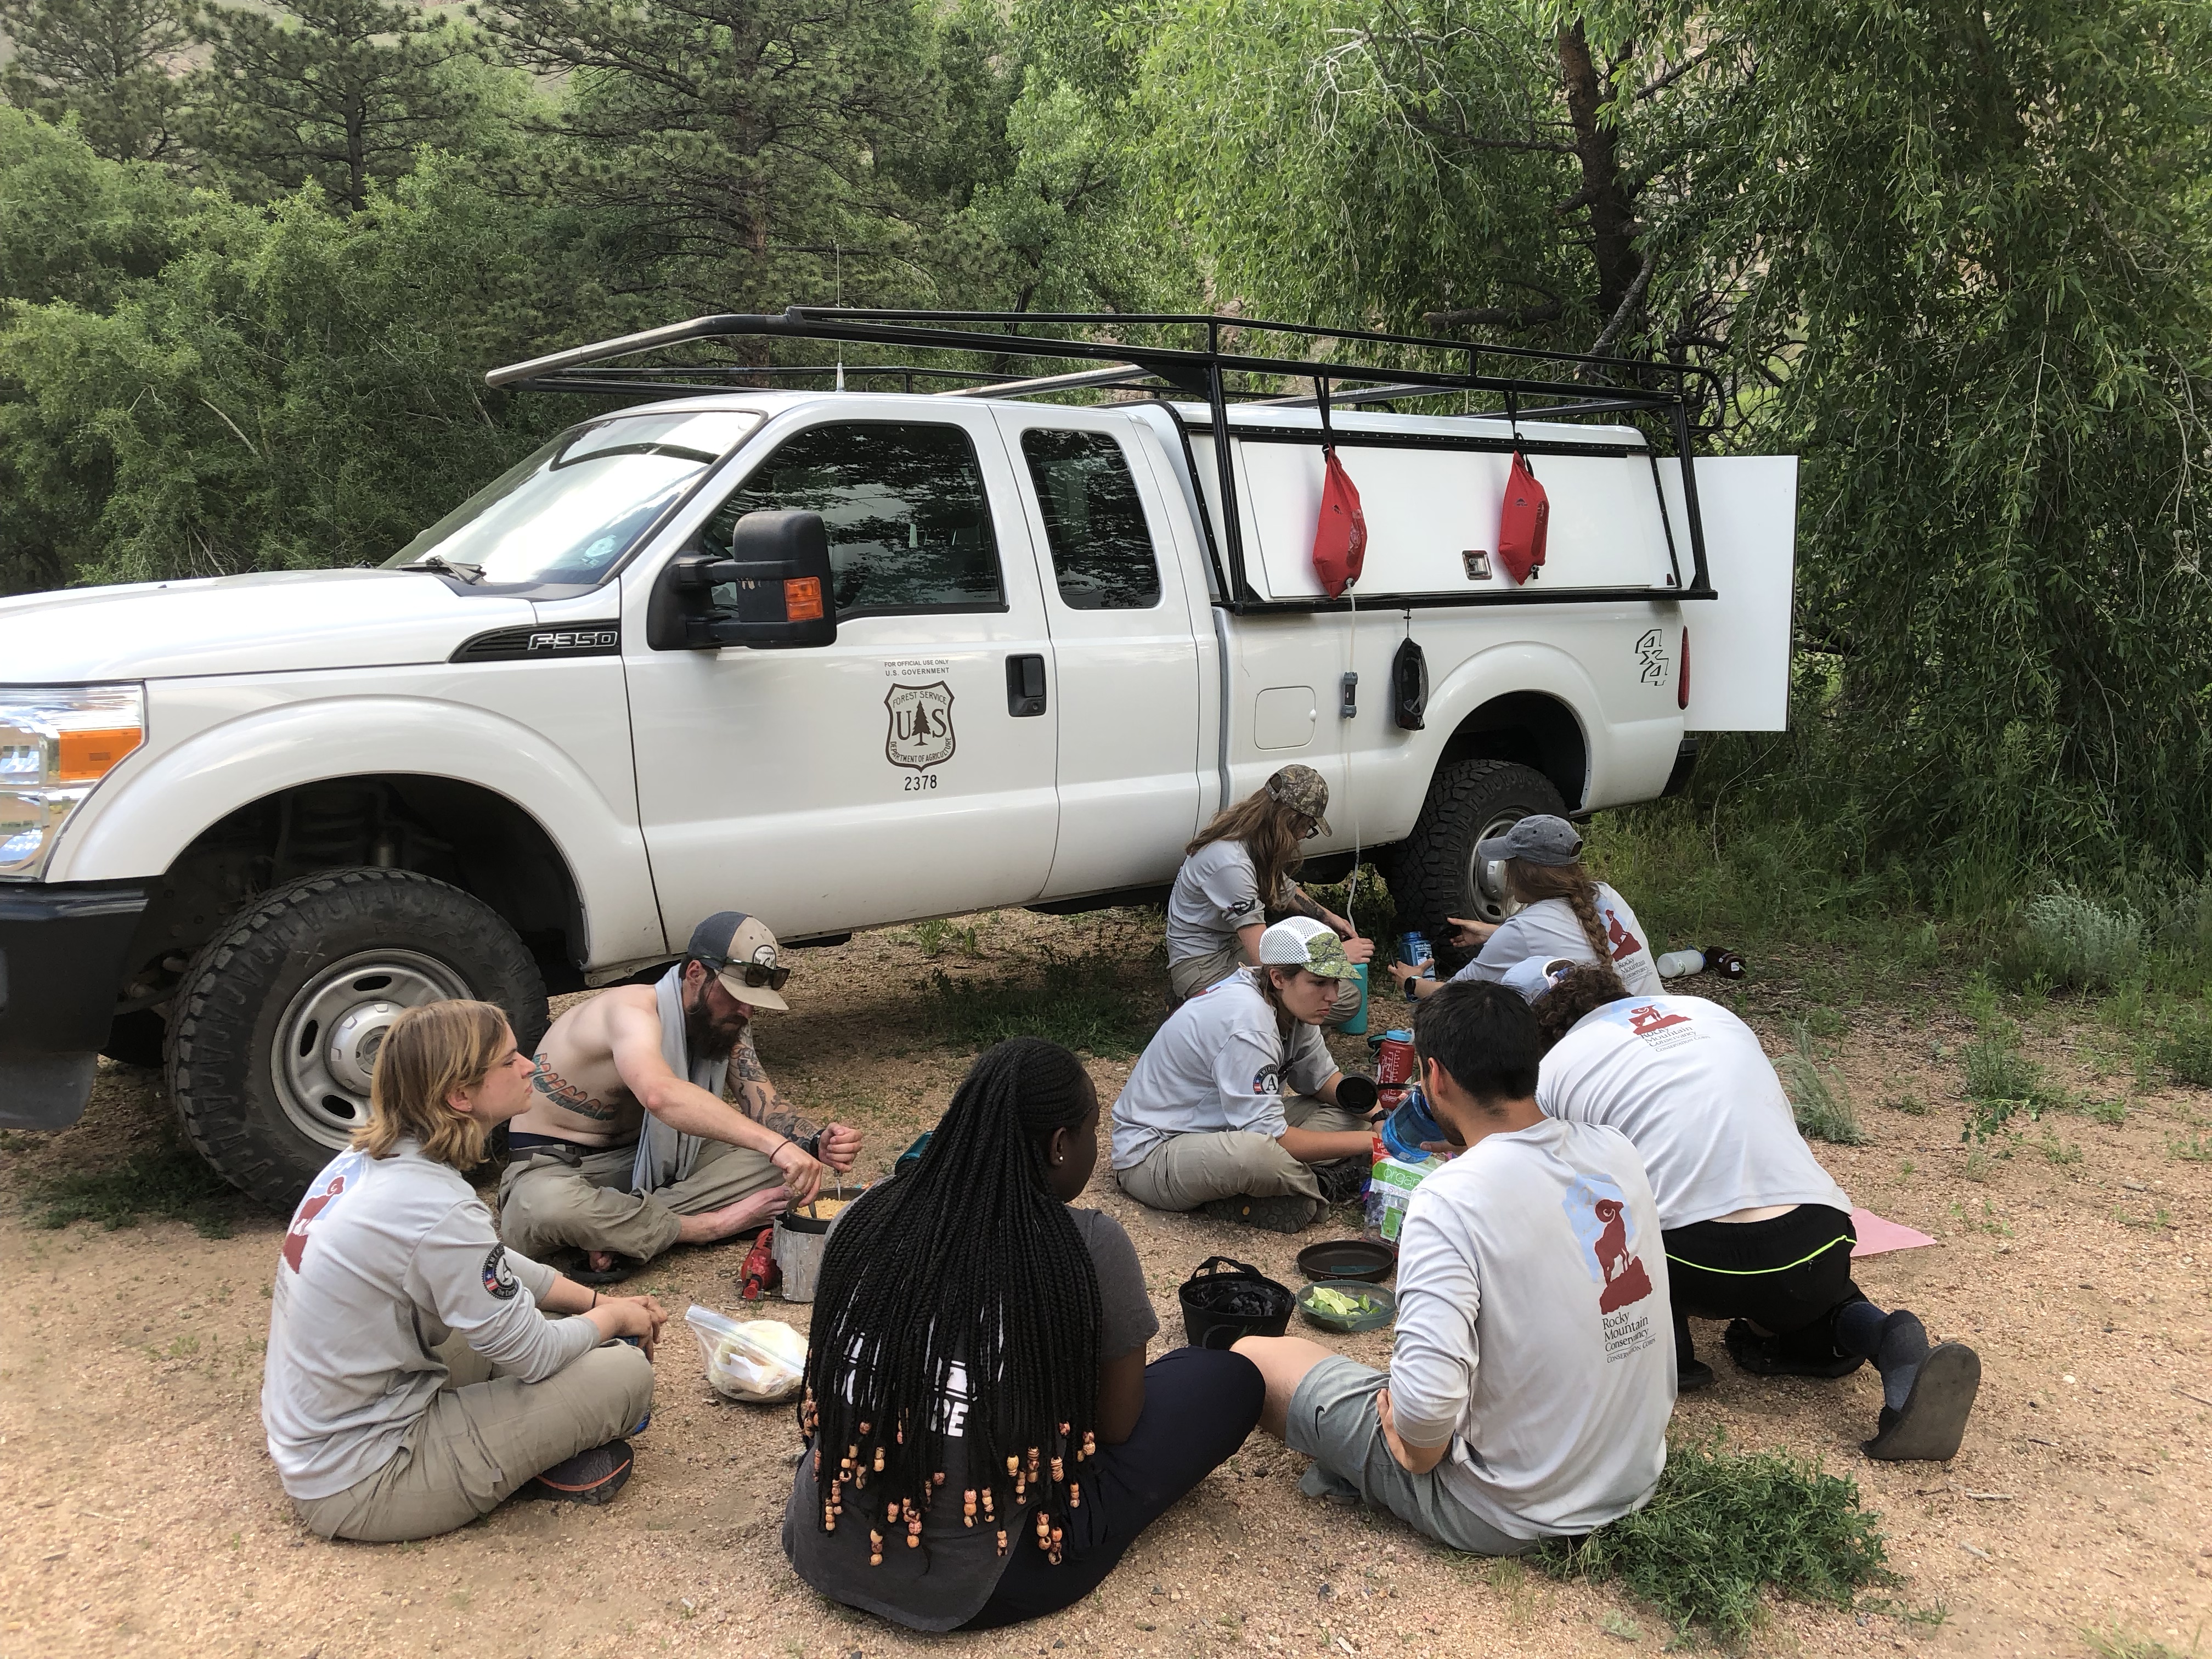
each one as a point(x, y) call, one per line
point(1025, 685)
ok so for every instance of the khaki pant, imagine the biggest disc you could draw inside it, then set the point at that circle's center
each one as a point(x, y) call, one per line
point(549, 1200)
point(1192, 975)
point(477, 1441)
point(1184, 1171)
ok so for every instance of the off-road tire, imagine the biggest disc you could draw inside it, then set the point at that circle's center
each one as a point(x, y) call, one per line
point(224, 1019)
point(1432, 876)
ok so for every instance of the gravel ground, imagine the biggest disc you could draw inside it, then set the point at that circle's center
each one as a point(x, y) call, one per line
point(141, 1514)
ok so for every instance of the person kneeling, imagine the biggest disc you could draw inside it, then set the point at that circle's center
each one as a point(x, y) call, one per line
point(984, 1438)
point(1758, 1232)
point(1233, 1103)
point(1533, 1372)
point(392, 1286)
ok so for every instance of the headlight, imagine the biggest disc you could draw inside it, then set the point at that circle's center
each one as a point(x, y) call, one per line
point(56, 741)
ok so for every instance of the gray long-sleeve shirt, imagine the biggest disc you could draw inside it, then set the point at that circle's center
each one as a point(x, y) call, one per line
point(1534, 1330)
point(385, 1259)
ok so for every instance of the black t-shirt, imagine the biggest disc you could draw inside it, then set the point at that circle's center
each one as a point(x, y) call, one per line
point(944, 1583)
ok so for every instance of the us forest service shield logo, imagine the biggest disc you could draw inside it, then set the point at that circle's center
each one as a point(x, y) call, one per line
point(921, 734)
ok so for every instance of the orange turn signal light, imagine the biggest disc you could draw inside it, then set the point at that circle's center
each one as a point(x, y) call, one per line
point(802, 599)
point(87, 755)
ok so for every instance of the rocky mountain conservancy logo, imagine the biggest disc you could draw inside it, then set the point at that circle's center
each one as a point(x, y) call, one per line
point(295, 1236)
point(921, 734)
point(1598, 1211)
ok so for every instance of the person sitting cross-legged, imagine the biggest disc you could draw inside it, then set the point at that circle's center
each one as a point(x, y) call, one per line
point(1533, 1371)
point(1233, 1107)
point(414, 1379)
point(1758, 1233)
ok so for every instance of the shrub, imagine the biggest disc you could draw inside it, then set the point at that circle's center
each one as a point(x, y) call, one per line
point(2185, 1050)
point(1724, 1524)
point(2067, 940)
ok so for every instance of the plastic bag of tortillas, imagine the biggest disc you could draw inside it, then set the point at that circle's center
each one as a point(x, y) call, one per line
point(763, 1360)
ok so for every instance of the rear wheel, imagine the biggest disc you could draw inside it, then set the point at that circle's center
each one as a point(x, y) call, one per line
point(276, 1029)
point(1436, 874)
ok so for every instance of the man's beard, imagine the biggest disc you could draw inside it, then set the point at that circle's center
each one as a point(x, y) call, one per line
point(706, 1038)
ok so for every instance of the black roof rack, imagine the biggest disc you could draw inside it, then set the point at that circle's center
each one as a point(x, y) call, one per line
point(1195, 355)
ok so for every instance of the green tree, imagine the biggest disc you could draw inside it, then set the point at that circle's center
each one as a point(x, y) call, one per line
point(111, 63)
point(751, 152)
point(338, 93)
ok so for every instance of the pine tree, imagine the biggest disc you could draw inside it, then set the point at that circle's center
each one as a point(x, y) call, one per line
point(109, 63)
point(339, 94)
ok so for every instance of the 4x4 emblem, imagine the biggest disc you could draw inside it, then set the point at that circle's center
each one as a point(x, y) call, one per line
point(921, 734)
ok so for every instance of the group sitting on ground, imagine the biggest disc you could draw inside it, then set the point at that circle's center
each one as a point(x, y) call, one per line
point(984, 1437)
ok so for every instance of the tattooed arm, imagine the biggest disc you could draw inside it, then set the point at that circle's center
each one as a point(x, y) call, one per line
point(757, 1096)
point(758, 1100)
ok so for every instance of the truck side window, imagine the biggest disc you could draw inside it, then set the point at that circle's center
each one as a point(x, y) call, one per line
point(909, 526)
point(1102, 551)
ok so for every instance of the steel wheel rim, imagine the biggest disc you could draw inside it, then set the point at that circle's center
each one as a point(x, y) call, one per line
point(326, 1042)
point(1486, 877)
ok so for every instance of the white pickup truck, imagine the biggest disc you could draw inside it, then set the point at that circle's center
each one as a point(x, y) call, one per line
point(840, 657)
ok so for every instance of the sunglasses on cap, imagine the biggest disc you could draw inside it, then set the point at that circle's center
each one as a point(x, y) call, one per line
point(754, 975)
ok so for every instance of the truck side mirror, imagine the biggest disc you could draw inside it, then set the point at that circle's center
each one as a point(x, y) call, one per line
point(773, 592)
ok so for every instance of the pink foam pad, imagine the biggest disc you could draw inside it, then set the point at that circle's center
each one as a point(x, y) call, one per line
point(1879, 1237)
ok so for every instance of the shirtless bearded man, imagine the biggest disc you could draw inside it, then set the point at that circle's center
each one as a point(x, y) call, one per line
point(629, 1147)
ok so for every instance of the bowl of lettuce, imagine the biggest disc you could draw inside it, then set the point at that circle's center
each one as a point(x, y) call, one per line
point(1347, 1304)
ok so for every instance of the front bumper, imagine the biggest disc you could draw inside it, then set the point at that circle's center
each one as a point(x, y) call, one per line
point(62, 958)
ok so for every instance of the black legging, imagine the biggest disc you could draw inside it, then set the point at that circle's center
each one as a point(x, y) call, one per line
point(1200, 1404)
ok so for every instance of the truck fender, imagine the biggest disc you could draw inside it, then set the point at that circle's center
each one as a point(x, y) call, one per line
point(166, 804)
point(1525, 666)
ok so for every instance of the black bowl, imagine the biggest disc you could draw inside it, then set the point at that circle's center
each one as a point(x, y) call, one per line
point(1348, 1258)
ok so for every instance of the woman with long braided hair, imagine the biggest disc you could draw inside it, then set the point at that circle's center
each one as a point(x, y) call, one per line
point(984, 1438)
point(1564, 914)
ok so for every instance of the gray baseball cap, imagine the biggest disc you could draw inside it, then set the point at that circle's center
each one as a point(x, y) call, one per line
point(1539, 838)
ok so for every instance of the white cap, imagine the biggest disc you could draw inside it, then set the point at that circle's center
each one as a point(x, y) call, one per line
point(1533, 975)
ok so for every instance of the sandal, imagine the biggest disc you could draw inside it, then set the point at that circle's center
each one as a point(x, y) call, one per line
point(593, 1278)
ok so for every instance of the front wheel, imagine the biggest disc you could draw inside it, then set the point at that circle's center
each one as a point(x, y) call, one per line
point(275, 1031)
point(1436, 874)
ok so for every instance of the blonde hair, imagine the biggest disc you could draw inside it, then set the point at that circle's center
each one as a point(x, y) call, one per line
point(1530, 882)
point(428, 1053)
point(1263, 824)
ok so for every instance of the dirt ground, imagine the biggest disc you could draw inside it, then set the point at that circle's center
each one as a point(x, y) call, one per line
point(141, 1513)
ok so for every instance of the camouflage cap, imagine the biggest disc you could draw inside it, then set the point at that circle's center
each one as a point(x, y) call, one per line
point(1302, 790)
point(1301, 942)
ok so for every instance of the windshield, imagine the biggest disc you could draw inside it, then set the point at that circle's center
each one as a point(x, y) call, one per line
point(570, 511)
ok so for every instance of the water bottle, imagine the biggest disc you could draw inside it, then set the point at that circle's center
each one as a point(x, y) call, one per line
point(1675, 963)
point(1394, 1066)
point(1407, 1129)
point(1720, 960)
point(1414, 950)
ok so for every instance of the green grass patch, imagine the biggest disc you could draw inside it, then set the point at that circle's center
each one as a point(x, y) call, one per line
point(2114, 1643)
point(1094, 1005)
point(1723, 1526)
point(2185, 1049)
point(2067, 940)
point(1819, 1097)
point(166, 1183)
point(2190, 1149)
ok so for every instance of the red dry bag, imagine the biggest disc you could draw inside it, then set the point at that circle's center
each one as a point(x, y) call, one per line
point(1523, 525)
point(1340, 546)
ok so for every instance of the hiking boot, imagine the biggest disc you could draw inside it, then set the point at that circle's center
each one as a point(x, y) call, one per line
point(1934, 1420)
point(589, 1477)
point(1766, 1356)
point(1691, 1376)
point(1287, 1213)
point(1343, 1180)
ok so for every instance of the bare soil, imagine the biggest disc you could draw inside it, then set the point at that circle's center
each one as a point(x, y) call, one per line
point(141, 1513)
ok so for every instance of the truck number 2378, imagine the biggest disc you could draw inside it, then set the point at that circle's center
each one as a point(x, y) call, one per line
point(920, 780)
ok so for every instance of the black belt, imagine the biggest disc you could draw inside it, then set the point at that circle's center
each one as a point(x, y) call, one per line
point(521, 1141)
